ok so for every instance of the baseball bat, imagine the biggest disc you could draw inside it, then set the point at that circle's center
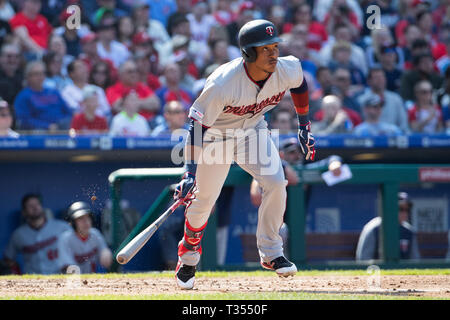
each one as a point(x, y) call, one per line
point(136, 244)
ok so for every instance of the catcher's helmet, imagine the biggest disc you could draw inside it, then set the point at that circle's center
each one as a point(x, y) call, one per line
point(256, 33)
point(77, 210)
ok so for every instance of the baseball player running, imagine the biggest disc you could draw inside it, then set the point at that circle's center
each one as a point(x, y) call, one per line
point(236, 96)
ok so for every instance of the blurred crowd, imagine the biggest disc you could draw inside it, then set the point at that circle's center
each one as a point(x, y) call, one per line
point(134, 67)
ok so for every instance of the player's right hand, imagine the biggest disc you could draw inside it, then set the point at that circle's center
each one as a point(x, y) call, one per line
point(185, 189)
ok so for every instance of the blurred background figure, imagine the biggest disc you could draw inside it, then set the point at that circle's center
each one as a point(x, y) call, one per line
point(87, 121)
point(31, 28)
point(38, 108)
point(175, 117)
point(128, 122)
point(340, 12)
point(148, 104)
point(36, 240)
point(11, 72)
point(423, 69)
point(334, 119)
point(372, 125)
point(101, 76)
point(171, 88)
point(379, 38)
point(54, 78)
point(57, 44)
point(425, 115)
point(144, 22)
point(6, 121)
point(340, 57)
point(342, 83)
point(368, 244)
point(107, 45)
point(83, 245)
point(73, 92)
point(282, 121)
point(388, 62)
point(91, 56)
point(317, 32)
point(393, 110)
point(343, 32)
point(443, 100)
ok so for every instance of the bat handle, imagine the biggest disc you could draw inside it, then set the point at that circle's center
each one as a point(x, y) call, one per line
point(176, 204)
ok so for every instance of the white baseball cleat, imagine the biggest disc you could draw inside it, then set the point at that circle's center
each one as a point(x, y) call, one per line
point(282, 266)
point(185, 276)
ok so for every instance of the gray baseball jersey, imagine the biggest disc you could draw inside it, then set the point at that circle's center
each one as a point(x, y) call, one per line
point(232, 100)
point(85, 253)
point(38, 247)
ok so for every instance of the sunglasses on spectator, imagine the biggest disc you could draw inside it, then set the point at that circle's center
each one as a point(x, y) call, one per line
point(37, 73)
point(12, 55)
point(175, 111)
point(424, 91)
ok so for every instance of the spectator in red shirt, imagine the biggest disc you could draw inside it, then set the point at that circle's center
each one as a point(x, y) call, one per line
point(425, 23)
point(407, 11)
point(317, 34)
point(144, 68)
point(31, 28)
point(87, 121)
point(91, 57)
point(149, 104)
point(340, 13)
point(143, 45)
point(223, 13)
point(441, 13)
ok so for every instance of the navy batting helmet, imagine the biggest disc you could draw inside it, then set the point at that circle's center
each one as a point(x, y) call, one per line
point(77, 210)
point(256, 33)
point(403, 198)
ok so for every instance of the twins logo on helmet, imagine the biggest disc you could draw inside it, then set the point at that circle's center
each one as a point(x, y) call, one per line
point(256, 33)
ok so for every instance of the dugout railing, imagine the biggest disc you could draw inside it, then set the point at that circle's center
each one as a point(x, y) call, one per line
point(387, 176)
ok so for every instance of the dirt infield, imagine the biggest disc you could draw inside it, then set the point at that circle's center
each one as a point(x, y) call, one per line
point(433, 286)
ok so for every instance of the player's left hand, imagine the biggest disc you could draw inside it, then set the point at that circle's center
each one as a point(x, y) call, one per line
point(307, 141)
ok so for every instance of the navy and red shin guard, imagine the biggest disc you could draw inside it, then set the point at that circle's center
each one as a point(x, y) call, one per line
point(191, 239)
